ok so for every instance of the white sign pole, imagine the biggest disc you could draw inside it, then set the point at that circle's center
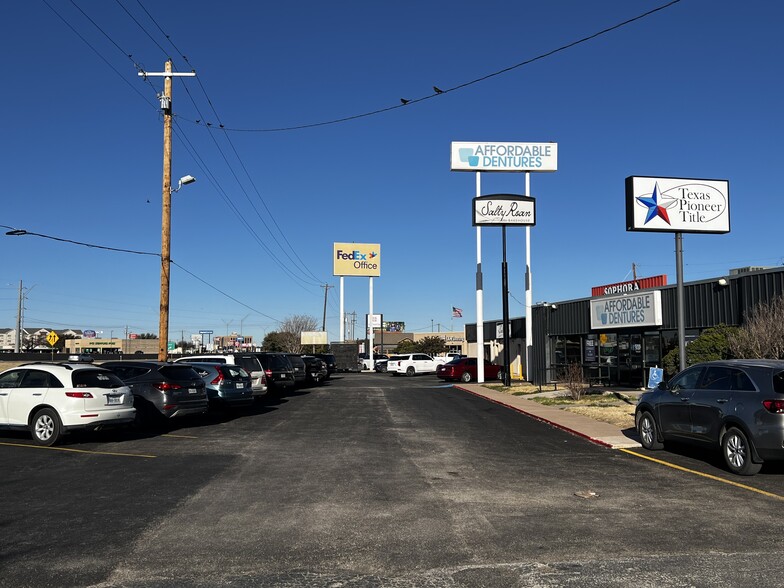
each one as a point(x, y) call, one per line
point(480, 323)
point(529, 330)
point(370, 324)
point(342, 315)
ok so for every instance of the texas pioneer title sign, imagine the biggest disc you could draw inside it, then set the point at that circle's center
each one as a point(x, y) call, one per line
point(677, 205)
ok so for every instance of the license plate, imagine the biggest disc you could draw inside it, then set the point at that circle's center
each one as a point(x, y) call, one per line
point(240, 385)
point(114, 399)
point(192, 391)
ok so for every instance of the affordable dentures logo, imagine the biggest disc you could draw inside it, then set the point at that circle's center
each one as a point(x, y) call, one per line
point(357, 259)
point(504, 156)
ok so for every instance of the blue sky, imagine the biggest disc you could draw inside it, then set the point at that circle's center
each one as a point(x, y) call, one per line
point(693, 90)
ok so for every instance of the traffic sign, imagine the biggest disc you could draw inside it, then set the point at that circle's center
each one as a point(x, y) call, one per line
point(171, 346)
point(205, 332)
point(52, 338)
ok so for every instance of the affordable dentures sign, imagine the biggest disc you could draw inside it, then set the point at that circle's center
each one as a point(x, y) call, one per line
point(504, 157)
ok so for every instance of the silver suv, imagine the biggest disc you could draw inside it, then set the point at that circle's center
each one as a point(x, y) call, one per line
point(247, 361)
point(737, 405)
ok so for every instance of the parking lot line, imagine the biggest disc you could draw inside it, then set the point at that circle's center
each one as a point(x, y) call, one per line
point(704, 475)
point(180, 436)
point(78, 450)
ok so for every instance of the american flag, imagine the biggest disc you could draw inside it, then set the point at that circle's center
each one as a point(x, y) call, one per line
point(457, 312)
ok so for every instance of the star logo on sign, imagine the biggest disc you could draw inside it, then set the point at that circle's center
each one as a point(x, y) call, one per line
point(654, 208)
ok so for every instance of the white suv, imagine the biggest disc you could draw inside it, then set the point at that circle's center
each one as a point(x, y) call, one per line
point(50, 399)
point(413, 363)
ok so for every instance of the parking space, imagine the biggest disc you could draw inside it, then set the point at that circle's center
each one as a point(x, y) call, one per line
point(371, 478)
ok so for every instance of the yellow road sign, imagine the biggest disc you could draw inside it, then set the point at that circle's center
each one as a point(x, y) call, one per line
point(52, 338)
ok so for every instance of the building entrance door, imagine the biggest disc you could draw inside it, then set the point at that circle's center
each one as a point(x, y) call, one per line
point(630, 360)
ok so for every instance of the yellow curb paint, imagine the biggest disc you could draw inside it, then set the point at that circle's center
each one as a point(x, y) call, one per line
point(78, 450)
point(704, 475)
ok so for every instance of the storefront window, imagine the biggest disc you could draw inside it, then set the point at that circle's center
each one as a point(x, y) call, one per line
point(608, 348)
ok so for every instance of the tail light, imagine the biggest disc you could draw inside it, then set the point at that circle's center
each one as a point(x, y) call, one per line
point(78, 395)
point(164, 386)
point(219, 378)
point(774, 406)
point(268, 373)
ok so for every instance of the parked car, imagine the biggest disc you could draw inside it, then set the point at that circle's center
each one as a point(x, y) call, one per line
point(278, 370)
point(161, 389)
point(735, 405)
point(381, 366)
point(51, 400)
point(227, 385)
point(329, 359)
point(315, 370)
point(300, 377)
point(411, 364)
point(247, 361)
point(364, 360)
point(465, 370)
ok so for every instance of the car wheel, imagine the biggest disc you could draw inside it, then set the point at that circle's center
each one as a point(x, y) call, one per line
point(500, 375)
point(383, 369)
point(737, 453)
point(646, 428)
point(466, 377)
point(410, 371)
point(45, 427)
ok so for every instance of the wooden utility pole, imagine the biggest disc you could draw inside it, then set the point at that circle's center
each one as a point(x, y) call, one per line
point(163, 324)
point(324, 317)
point(166, 108)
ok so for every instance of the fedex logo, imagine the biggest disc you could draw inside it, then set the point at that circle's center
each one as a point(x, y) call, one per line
point(355, 255)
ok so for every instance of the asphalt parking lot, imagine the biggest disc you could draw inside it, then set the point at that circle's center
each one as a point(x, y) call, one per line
point(373, 480)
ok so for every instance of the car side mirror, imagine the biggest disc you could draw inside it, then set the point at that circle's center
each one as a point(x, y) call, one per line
point(662, 385)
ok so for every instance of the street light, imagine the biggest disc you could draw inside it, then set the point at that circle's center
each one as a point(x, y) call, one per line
point(184, 181)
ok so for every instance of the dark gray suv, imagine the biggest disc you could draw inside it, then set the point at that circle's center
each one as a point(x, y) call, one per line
point(737, 405)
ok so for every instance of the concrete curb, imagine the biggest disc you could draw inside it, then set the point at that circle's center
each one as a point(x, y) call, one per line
point(597, 432)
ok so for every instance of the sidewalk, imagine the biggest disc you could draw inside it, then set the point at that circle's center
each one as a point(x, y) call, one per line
point(595, 431)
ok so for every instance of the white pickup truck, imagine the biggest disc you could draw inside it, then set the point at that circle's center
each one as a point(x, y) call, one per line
point(413, 363)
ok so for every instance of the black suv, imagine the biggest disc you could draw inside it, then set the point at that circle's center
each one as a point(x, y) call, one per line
point(279, 372)
point(161, 389)
point(300, 377)
point(329, 359)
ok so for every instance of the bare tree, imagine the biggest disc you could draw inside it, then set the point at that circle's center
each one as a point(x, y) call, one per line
point(291, 331)
point(574, 380)
point(762, 334)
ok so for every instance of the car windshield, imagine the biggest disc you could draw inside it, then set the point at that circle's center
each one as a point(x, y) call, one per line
point(179, 372)
point(95, 379)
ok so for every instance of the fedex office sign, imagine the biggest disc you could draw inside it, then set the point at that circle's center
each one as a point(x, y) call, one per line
point(356, 259)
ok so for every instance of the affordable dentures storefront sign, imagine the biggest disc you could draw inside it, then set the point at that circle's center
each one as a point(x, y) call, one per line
point(504, 157)
point(620, 312)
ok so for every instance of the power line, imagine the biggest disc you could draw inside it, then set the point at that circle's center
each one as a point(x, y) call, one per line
point(22, 232)
point(441, 92)
point(299, 260)
point(98, 53)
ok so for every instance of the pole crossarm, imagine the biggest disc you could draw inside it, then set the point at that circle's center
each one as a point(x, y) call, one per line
point(167, 74)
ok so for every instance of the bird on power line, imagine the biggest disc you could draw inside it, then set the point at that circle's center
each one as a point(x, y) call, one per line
point(437, 90)
point(404, 101)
